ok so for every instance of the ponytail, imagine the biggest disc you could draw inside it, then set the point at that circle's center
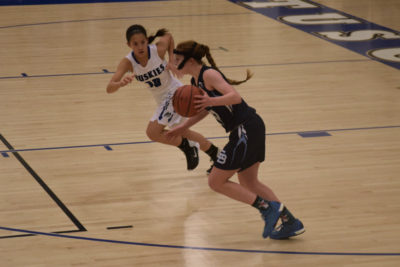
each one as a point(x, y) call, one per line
point(212, 63)
point(198, 51)
point(159, 33)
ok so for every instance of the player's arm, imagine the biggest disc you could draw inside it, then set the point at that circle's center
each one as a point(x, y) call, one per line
point(214, 81)
point(165, 45)
point(118, 80)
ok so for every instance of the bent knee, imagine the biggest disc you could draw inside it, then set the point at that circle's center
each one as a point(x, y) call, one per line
point(214, 184)
point(152, 134)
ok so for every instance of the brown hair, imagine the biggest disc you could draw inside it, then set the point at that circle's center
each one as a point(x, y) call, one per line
point(198, 51)
point(136, 28)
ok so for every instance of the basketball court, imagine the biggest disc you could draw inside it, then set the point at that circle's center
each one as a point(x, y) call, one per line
point(82, 185)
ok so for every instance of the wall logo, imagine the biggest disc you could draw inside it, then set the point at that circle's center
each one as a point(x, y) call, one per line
point(366, 38)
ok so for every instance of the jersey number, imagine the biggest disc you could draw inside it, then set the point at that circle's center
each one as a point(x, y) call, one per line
point(154, 83)
point(222, 157)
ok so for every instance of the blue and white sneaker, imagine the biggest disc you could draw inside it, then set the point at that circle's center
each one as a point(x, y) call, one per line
point(271, 216)
point(286, 230)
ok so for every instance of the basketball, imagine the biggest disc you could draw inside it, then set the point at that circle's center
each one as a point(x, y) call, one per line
point(183, 100)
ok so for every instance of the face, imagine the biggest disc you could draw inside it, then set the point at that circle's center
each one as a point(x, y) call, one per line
point(188, 65)
point(178, 59)
point(138, 43)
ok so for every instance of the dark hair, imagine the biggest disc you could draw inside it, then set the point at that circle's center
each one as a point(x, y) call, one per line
point(198, 51)
point(136, 28)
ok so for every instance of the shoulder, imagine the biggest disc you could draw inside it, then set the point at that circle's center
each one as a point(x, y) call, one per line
point(153, 47)
point(129, 57)
point(212, 78)
point(126, 60)
point(125, 64)
point(211, 75)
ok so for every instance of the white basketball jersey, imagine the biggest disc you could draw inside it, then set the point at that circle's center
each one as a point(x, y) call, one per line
point(154, 74)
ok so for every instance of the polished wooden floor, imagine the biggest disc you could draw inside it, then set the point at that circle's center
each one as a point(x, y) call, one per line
point(59, 127)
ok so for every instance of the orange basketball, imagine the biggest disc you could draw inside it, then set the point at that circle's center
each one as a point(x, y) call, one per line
point(183, 100)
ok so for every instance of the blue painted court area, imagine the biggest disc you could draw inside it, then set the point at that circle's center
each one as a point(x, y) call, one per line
point(53, 2)
point(356, 34)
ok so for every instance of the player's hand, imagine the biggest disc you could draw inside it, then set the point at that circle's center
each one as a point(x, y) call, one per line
point(174, 70)
point(201, 102)
point(126, 80)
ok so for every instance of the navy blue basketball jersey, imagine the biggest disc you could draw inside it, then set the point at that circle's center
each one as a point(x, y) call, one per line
point(230, 116)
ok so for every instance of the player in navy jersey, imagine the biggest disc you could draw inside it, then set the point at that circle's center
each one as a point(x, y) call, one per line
point(146, 63)
point(246, 147)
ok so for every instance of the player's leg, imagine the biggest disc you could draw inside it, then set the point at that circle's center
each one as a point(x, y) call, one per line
point(199, 138)
point(205, 145)
point(219, 181)
point(156, 132)
point(249, 179)
point(290, 226)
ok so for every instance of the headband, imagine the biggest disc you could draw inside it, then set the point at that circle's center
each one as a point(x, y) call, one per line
point(186, 55)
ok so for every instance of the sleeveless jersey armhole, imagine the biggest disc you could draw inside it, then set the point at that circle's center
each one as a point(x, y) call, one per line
point(129, 65)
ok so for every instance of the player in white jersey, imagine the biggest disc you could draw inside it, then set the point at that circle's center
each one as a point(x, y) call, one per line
point(147, 64)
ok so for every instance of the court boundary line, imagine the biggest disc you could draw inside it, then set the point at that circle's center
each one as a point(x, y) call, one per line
point(44, 186)
point(216, 137)
point(66, 2)
point(123, 18)
point(56, 232)
point(105, 71)
point(202, 248)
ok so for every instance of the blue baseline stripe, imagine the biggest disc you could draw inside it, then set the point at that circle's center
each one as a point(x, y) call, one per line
point(217, 137)
point(306, 15)
point(72, 147)
point(104, 71)
point(52, 75)
point(202, 248)
point(57, 2)
point(124, 18)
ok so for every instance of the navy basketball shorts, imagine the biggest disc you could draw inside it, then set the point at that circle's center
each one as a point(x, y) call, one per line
point(246, 146)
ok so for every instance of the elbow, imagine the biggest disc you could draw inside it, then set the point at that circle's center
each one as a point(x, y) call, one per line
point(109, 90)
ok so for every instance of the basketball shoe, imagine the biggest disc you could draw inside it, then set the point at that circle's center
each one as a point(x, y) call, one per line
point(271, 216)
point(191, 151)
point(286, 230)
